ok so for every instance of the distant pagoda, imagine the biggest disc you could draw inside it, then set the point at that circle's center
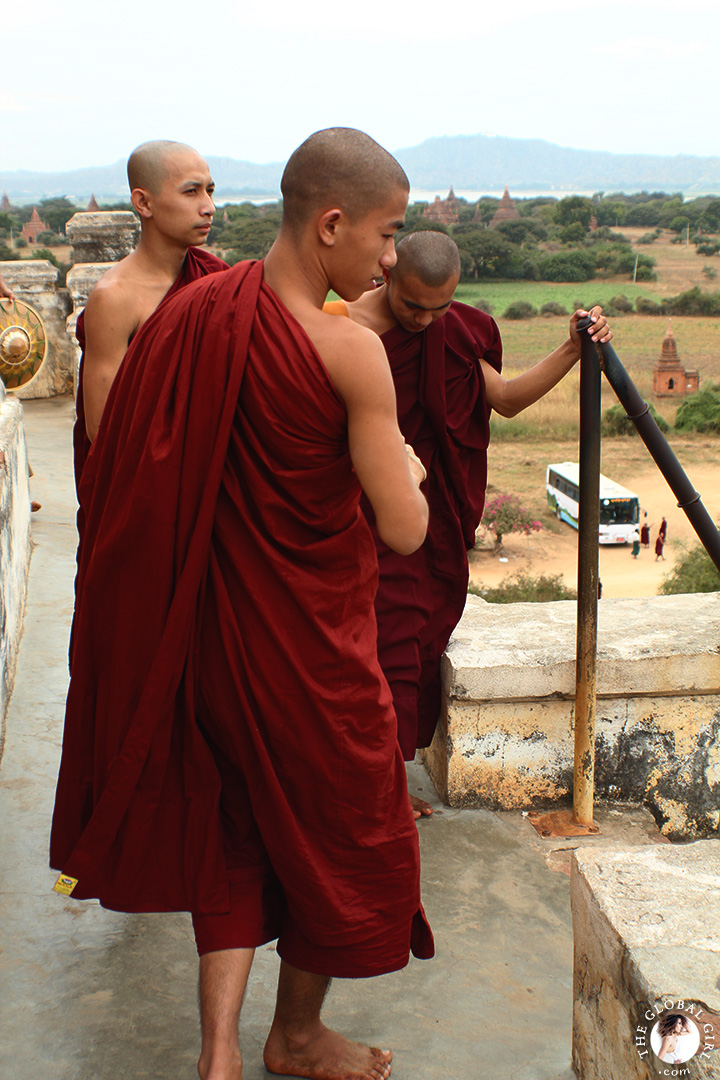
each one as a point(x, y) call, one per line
point(670, 378)
point(92, 206)
point(444, 211)
point(32, 229)
point(5, 206)
point(506, 211)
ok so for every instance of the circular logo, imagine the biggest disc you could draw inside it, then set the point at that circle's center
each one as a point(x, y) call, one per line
point(675, 1032)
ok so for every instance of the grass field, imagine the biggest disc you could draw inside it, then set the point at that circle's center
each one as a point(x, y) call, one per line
point(637, 338)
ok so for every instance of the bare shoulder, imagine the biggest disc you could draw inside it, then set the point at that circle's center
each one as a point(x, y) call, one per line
point(353, 355)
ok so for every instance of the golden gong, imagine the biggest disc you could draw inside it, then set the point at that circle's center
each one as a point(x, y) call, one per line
point(23, 343)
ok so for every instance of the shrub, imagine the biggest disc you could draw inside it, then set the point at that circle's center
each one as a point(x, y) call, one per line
point(700, 412)
point(708, 249)
point(647, 238)
point(484, 305)
point(615, 421)
point(567, 266)
point(552, 308)
point(710, 272)
point(644, 306)
point(694, 572)
point(50, 239)
point(7, 254)
point(571, 234)
point(694, 302)
point(503, 513)
point(621, 303)
point(520, 309)
point(21, 242)
point(523, 588)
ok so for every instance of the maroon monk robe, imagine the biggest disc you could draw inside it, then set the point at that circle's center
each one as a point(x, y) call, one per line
point(225, 621)
point(444, 416)
point(197, 263)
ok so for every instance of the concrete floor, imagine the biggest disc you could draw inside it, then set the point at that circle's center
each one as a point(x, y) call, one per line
point(87, 994)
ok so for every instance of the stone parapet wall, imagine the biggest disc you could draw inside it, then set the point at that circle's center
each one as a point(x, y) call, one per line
point(646, 932)
point(14, 542)
point(34, 281)
point(505, 740)
point(103, 235)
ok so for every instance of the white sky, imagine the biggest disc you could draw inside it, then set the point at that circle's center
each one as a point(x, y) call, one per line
point(83, 83)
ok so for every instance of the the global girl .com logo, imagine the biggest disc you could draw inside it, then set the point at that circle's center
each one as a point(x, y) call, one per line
point(675, 1033)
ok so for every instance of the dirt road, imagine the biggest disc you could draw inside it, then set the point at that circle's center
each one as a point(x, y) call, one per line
point(547, 552)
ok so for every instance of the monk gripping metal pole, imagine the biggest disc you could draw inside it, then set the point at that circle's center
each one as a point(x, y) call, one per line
point(587, 606)
point(639, 412)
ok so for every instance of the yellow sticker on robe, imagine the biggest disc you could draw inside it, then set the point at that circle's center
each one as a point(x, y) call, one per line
point(65, 885)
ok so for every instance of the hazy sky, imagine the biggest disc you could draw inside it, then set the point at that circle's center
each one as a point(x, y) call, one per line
point(83, 83)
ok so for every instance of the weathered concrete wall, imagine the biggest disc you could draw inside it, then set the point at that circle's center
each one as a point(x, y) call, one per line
point(102, 236)
point(505, 740)
point(14, 542)
point(35, 282)
point(646, 930)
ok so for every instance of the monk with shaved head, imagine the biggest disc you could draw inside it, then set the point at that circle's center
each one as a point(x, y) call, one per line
point(171, 190)
point(445, 359)
point(230, 742)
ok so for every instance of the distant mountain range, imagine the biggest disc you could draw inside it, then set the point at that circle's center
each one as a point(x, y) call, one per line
point(467, 162)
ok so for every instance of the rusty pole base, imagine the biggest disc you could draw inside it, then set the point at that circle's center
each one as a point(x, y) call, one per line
point(559, 823)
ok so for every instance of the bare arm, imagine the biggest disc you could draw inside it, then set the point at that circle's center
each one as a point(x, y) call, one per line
point(109, 325)
point(508, 397)
point(5, 290)
point(389, 476)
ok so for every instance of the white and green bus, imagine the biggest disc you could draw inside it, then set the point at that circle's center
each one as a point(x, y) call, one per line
point(619, 508)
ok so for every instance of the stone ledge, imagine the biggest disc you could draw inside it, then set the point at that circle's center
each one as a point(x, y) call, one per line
point(14, 543)
point(646, 928)
point(511, 652)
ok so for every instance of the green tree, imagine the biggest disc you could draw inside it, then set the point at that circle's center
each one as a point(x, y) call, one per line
point(573, 209)
point(492, 255)
point(568, 266)
point(693, 572)
point(56, 213)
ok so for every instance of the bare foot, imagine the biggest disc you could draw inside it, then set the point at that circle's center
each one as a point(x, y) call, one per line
point(324, 1055)
point(224, 1066)
point(419, 807)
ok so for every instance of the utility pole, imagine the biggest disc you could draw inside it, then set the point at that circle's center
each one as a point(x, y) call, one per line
point(637, 256)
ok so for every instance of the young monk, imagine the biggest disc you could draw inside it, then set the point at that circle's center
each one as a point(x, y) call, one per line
point(445, 359)
point(171, 190)
point(230, 746)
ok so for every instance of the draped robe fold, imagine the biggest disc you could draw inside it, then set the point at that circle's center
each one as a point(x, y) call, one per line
point(225, 602)
point(197, 263)
point(443, 414)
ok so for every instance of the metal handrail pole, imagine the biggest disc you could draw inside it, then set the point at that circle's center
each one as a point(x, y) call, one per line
point(588, 532)
point(638, 411)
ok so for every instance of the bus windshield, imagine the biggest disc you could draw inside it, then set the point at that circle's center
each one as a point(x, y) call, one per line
point(619, 512)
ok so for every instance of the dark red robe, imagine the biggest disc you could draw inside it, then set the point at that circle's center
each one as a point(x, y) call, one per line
point(197, 263)
point(225, 621)
point(443, 414)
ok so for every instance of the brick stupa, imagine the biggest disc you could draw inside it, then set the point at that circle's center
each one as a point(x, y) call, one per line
point(444, 211)
point(32, 229)
point(506, 211)
point(670, 378)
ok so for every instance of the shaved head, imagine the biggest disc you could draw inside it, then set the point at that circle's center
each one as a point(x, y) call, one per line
point(339, 167)
point(147, 166)
point(430, 256)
